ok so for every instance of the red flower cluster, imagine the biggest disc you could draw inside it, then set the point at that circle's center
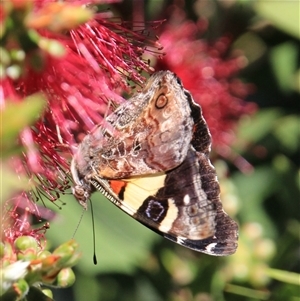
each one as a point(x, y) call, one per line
point(79, 69)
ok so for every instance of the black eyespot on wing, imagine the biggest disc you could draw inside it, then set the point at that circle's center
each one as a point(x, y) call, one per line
point(161, 101)
point(154, 209)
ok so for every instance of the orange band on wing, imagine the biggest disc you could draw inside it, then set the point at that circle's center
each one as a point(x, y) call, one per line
point(117, 186)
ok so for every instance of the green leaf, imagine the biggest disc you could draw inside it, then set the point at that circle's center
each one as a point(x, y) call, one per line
point(283, 14)
point(16, 116)
point(253, 189)
point(252, 129)
point(252, 46)
point(284, 61)
point(287, 132)
point(284, 276)
point(11, 182)
point(247, 292)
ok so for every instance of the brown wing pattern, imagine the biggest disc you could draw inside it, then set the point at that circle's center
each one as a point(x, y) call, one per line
point(200, 223)
point(148, 134)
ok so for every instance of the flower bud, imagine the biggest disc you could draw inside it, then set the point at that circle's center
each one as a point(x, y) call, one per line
point(24, 243)
point(43, 254)
point(28, 255)
point(49, 262)
point(67, 252)
point(65, 278)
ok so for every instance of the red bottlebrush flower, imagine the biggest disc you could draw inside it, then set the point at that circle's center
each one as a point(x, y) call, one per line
point(78, 70)
point(209, 78)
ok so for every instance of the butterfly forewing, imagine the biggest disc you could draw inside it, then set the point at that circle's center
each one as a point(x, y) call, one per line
point(145, 135)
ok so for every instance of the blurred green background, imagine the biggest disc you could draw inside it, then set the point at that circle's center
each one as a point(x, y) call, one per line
point(135, 264)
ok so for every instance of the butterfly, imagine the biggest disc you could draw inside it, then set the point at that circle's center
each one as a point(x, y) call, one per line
point(150, 158)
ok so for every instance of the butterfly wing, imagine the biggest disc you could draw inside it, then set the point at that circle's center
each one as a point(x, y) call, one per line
point(182, 205)
point(208, 228)
point(149, 133)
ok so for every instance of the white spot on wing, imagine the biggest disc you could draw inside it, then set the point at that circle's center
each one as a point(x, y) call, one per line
point(186, 199)
point(172, 213)
point(180, 240)
point(209, 247)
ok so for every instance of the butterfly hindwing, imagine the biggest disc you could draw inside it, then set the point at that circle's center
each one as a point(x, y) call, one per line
point(218, 233)
point(181, 208)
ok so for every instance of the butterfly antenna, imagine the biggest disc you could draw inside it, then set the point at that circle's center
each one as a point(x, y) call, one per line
point(80, 219)
point(94, 236)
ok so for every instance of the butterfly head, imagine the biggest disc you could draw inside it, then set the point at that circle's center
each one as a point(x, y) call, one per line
point(81, 171)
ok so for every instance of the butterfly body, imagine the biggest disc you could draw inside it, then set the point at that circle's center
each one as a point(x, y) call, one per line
point(151, 160)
